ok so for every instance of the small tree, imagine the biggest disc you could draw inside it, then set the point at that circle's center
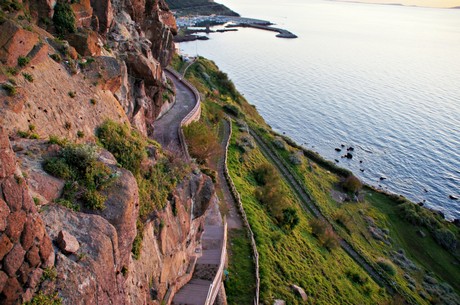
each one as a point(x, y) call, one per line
point(202, 142)
point(352, 184)
point(290, 218)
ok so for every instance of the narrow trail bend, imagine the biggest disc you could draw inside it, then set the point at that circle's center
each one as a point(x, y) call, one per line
point(166, 129)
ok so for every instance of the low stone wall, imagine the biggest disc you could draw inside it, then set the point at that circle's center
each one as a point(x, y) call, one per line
point(237, 198)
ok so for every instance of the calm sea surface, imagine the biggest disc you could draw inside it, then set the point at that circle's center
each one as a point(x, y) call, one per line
point(383, 79)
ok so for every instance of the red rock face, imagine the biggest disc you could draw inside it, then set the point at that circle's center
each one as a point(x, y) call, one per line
point(22, 232)
point(104, 12)
point(15, 42)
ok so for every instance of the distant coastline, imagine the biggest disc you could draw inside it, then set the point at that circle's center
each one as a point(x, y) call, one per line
point(398, 3)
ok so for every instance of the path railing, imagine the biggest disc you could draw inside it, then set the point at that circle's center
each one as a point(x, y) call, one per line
point(215, 286)
point(193, 115)
point(239, 203)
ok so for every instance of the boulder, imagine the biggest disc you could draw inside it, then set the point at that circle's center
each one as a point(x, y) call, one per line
point(300, 292)
point(12, 290)
point(204, 190)
point(33, 232)
point(104, 12)
point(13, 260)
point(106, 71)
point(96, 278)
point(147, 69)
point(4, 213)
point(7, 157)
point(83, 13)
point(67, 242)
point(14, 42)
point(5, 246)
point(279, 302)
point(15, 225)
point(86, 43)
point(3, 279)
point(122, 210)
point(33, 256)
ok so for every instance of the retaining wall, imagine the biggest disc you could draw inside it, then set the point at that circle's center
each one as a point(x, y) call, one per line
point(237, 198)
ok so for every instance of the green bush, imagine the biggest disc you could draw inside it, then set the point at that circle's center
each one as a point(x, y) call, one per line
point(68, 204)
point(290, 219)
point(128, 147)
point(59, 168)
point(232, 110)
point(23, 61)
point(28, 77)
point(352, 184)
point(137, 243)
point(265, 174)
point(445, 238)
point(56, 140)
point(56, 57)
point(387, 266)
point(64, 18)
point(10, 89)
point(85, 176)
point(94, 200)
point(45, 299)
point(80, 157)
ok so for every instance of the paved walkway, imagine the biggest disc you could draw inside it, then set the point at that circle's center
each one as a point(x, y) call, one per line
point(196, 291)
point(166, 129)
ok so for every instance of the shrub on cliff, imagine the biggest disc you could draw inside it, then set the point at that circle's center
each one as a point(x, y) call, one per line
point(85, 176)
point(127, 146)
point(265, 173)
point(446, 239)
point(64, 18)
point(387, 266)
point(352, 184)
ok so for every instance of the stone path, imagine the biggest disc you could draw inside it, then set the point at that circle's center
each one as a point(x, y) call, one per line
point(196, 291)
point(166, 129)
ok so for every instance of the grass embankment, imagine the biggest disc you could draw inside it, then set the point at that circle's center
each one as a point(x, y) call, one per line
point(296, 257)
point(418, 242)
point(287, 256)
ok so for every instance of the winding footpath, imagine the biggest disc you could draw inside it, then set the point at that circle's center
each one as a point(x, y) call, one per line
point(166, 130)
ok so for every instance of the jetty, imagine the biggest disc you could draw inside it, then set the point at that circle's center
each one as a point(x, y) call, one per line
point(282, 33)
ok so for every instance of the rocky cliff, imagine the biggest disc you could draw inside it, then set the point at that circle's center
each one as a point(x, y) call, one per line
point(67, 67)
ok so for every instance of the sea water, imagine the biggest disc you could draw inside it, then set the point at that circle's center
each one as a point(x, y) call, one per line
point(382, 79)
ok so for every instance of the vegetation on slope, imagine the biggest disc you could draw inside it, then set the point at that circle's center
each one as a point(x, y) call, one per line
point(289, 253)
point(415, 247)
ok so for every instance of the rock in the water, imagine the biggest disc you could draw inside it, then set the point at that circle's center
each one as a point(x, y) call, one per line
point(382, 178)
point(452, 197)
point(351, 148)
point(348, 156)
point(67, 242)
point(300, 292)
point(337, 149)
